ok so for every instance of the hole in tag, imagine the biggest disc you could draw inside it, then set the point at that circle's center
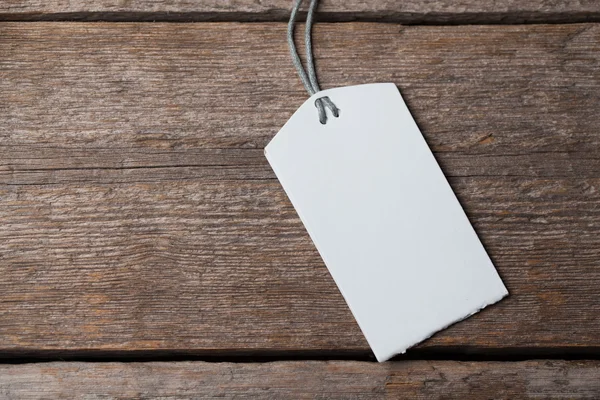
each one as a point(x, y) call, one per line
point(322, 104)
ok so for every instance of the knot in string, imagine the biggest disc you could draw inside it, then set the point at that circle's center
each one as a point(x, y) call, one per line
point(309, 80)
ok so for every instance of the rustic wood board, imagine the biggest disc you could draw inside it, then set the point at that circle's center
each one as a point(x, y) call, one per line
point(304, 380)
point(406, 11)
point(138, 212)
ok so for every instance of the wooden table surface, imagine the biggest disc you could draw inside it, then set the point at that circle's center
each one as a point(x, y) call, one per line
point(147, 249)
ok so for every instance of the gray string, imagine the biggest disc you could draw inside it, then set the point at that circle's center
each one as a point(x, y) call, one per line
point(309, 80)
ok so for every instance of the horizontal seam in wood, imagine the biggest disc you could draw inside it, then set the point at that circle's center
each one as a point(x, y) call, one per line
point(407, 18)
point(452, 353)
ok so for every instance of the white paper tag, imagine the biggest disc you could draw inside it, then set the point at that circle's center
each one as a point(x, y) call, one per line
point(383, 217)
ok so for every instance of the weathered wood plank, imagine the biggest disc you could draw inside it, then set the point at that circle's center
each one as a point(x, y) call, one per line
point(138, 212)
point(408, 11)
point(304, 380)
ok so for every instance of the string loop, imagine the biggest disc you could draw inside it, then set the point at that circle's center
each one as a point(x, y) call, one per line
point(309, 80)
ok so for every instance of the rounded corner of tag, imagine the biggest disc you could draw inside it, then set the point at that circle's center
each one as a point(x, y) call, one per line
point(392, 87)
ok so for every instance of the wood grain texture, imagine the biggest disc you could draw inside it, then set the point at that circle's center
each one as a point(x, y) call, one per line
point(304, 380)
point(408, 11)
point(138, 211)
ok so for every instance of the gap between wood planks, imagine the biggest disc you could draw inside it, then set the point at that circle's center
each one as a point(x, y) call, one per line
point(405, 18)
point(458, 353)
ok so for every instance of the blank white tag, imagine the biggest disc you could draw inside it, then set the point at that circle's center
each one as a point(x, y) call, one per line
point(383, 217)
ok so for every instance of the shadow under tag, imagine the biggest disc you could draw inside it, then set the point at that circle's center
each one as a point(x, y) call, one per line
point(383, 217)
